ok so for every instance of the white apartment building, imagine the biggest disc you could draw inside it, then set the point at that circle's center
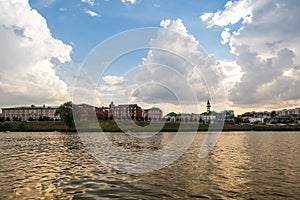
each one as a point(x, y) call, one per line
point(30, 112)
point(194, 118)
point(286, 112)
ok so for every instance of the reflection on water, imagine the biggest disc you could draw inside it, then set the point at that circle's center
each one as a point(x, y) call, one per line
point(243, 165)
point(141, 153)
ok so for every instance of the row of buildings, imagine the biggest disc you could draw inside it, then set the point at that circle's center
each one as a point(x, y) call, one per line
point(208, 117)
point(85, 112)
point(286, 112)
point(280, 116)
point(135, 112)
point(116, 112)
point(119, 112)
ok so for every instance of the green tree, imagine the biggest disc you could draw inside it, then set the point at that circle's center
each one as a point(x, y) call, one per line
point(273, 114)
point(238, 120)
point(65, 112)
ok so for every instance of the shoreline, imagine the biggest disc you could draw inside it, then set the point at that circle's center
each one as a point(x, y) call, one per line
point(110, 126)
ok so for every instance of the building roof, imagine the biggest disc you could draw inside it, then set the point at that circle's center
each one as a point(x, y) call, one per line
point(153, 108)
point(30, 107)
point(129, 105)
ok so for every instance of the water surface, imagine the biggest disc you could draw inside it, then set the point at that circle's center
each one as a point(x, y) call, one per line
point(243, 165)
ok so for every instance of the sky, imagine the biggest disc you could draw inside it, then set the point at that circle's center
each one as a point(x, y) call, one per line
point(242, 55)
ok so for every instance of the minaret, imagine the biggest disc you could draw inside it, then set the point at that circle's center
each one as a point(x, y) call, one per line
point(208, 106)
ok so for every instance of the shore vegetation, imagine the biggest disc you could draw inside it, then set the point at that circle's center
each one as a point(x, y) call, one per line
point(112, 126)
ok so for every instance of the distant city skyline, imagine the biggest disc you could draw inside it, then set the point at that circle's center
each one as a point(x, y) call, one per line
point(252, 52)
point(284, 111)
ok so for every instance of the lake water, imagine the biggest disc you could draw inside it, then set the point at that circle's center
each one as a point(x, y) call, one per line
point(242, 165)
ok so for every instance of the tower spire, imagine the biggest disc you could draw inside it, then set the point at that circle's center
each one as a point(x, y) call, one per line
point(208, 106)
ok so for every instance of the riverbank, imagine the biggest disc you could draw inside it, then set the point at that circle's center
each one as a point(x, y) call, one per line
point(111, 126)
point(35, 126)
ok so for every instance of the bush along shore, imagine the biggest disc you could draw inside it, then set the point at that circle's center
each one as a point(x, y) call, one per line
point(35, 126)
point(111, 126)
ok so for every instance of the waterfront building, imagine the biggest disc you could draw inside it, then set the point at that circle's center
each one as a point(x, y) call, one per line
point(152, 114)
point(86, 112)
point(102, 113)
point(208, 119)
point(184, 117)
point(228, 116)
point(119, 112)
point(286, 112)
point(254, 114)
point(125, 111)
point(228, 113)
point(256, 120)
point(170, 117)
point(254, 117)
point(30, 113)
point(188, 117)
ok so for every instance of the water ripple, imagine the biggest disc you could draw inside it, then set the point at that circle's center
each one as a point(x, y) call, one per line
point(250, 165)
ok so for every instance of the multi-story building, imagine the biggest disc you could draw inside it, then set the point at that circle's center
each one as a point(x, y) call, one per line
point(125, 112)
point(204, 118)
point(86, 112)
point(188, 117)
point(228, 116)
point(287, 116)
point(33, 113)
point(228, 113)
point(208, 117)
point(102, 113)
point(119, 112)
point(286, 112)
point(256, 117)
point(152, 114)
point(254, 114)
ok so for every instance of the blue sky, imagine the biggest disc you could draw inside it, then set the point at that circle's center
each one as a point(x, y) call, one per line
point(69, 21)
point(252, 58)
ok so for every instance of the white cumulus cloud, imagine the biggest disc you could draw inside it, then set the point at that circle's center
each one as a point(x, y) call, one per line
point(176, 71)
point(175, 74)
point(128, 1)
point(90, 2)
point(225, 36)
point(113, 80)
point(29, 57)
point(232, 13)
point(267, 51)
point(92, 13)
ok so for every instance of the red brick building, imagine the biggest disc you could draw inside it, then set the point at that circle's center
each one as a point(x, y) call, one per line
point(125, 112)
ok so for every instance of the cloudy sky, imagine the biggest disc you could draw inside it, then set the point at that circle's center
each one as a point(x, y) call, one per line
point(243, 55)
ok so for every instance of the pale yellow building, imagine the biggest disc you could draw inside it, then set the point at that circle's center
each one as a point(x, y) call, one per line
point(25, 113)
